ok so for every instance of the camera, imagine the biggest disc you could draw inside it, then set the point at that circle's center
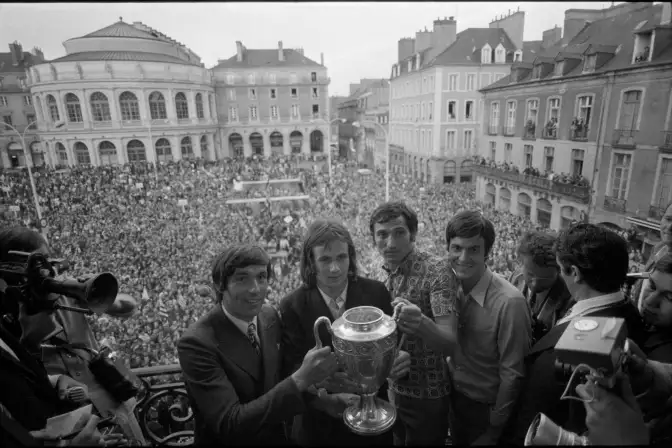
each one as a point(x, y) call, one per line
point(31, 279)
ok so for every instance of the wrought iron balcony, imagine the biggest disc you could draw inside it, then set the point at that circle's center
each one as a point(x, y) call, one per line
point(579, 134)
point(624, 138)
point(550, 133)
point(529, 132)
point(577, 193)
point(163, 409)
point(493, 129)
point(656, 212)
point(613, 204)
point(667, 141)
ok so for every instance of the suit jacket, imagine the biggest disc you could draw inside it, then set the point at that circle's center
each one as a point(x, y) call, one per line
point(542, 388)
point(299, 310)
point(237, 395)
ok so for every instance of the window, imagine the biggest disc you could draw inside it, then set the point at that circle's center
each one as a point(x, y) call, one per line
point(3, 101)
point(82, 154)
point(230, 79)
point(467, 140)
point(100, 108)
point(630, 110)
point(157, 106)
point(499, 54)
point(508, 152)
point(30, 118)
point(469, 110)
point(486, 54)
point(273, 94)
point(452, 82)
point(27, 100)
point(494, 114)
point(471, 82)
point(186, 148)
point(549, 153)
point(452, 106)
point(316, 111)
point(430, 110)
point(253, 113)
point(295, 92)
point(577, 162)
point(559, 67)
point(130, 110)
point(528, 150)
point(536, 71)
point(181, 106)
point(431, 83)
point(204, 144)
point(136, 151)
point(510, 116)
point(589, 63)
point(554, 110)
point(62, 153)
point(233, 113)
point(518, 56)
point(73, 109)
point(295, 111)
point(313, 76)
point(250, 78)
point(7, 119)
point(585, 109)
point(423, 113)
point(252, 94)
point(493, 150)
point(164, 153)
point(272, 78)
point(532, 112)
point(200, 113)
point(451, 137)
point(274, 111)
point(315, 93)
point(619, 175)
point(664, 188)
point(53, 108)
point(231, 94)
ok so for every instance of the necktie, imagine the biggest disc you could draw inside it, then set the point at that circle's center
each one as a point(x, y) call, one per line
point(252, 336)
point(335, 307)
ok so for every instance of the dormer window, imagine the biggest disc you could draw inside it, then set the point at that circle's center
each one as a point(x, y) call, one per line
point(518, 56)
point(486, 54)
point(559, 67)
point(417, 62)
point(536, 71)
point(642, 50)
point(589, 63)
point(500, 54)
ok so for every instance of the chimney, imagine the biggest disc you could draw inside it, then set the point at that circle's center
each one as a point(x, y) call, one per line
point(551, 37)
point(38, 54)
point(281, 52)
point(514, 26)
point(423, 40)
point(239, 49)
point(300, 50)
point(405, 48)
point(445, 32)
point(322, 59)
point(17, 53)
point(666, 14)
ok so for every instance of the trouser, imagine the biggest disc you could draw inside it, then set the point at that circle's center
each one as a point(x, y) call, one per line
point(469, 419)
point(420, 421)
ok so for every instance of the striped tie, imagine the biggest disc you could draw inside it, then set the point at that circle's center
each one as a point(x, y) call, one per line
point(252, 336)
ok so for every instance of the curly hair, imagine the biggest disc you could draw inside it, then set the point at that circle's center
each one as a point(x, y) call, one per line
point(323, 232)
point(392, 210)
point(234, 257)
point(538, 246)
point(600, 254)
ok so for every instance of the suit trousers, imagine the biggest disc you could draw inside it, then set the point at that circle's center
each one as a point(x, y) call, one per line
point(420, 421)
point(469, 419)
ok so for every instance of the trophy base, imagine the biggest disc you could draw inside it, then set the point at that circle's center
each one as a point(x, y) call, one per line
point(371, 417)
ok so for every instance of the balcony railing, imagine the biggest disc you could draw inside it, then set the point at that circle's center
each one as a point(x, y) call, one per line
point(163, 409)
point(509, 131)
point(493, 129)
point(624, 138)
point(550, 133)
point(578, 134)
point(529, 133)
point(667, 141)
point(656, 212)
point(581, 194)
point(613, 204)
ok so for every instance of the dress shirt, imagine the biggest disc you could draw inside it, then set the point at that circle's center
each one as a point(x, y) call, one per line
point(495, 333)
point(583, 307)
point(242, 325)
point(335, 303)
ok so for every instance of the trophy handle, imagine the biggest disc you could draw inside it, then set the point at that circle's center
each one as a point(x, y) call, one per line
point(316, 329)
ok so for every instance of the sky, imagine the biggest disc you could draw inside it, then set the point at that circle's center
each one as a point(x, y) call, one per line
point(358, 39)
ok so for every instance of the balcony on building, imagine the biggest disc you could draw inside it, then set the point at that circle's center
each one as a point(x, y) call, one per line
point(493, 129)
point(578, 131)
point(573, 192)
point(656, 212)
point(509, 131)
point(529, 130)
point(624, 138)
point(613, 204)
point(666, 144)
point(550, 131)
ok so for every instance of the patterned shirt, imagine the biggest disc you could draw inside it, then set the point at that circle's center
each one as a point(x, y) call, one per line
point(429, 283)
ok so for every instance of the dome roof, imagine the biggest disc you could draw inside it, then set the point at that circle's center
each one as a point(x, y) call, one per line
point(121, 29)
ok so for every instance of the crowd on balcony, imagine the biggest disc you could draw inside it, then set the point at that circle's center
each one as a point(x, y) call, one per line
point(561, 178)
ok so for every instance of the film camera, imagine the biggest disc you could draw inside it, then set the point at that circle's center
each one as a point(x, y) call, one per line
point(595, 346)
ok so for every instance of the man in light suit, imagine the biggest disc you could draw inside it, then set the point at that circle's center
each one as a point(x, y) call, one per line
point(231, 359)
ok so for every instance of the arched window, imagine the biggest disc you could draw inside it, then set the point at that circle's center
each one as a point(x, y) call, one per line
point(136, 151)
point(53, 108)
point(73, 108)
point(108, 153)
point(61, 153)
point(199, 106)
point(100, 107)
point(186, 148)
point(164, 152)
point(130, 110)
point(157, 106)
point(181, 106)
point(204, 145)
point(82, 154)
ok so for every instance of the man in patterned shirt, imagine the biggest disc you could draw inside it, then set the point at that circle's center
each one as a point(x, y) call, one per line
point(428, 291)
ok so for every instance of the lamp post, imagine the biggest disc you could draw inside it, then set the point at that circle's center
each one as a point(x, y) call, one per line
point(29, 165)
point(387, 155)
point(342, 120)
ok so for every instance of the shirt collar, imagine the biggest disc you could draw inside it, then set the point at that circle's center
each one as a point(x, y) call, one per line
point(405, 262)
point(583, 307)
point(327, 297)
point(479, 291)
point(239, 323)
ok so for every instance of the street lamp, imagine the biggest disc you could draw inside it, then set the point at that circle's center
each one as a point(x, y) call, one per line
point(387, 155)
point(342, 120)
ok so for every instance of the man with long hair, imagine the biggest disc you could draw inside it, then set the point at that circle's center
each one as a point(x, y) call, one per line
point(331, 285)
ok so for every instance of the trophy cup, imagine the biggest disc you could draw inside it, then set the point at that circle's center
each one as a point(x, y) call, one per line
point(365, 343)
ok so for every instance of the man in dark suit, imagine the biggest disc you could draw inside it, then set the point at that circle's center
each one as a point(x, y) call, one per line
point(230, 359)
point(593, 263)
point(331, 286)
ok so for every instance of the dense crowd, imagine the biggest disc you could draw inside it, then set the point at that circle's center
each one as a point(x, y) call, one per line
point(158, 230)
point(561, 178)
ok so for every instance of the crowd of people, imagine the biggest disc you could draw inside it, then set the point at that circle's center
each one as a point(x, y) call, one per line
point(561, 178)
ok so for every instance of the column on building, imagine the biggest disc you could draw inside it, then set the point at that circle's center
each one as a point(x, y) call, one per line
point(196, 145)
point(305, 144)
point(267, 142)
point(150, 150)
point(122, 157)
point(286, 147)
point(175, 147)
point(84, 104)
point(170, 105)
point(212, 151)
point(247, 147)
point(191, 100)
point(115, 113)
point(93, 151)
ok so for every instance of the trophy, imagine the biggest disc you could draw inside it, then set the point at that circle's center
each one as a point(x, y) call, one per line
point(365, 343)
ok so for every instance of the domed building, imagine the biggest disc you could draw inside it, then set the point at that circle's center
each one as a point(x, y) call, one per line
point(121, 94)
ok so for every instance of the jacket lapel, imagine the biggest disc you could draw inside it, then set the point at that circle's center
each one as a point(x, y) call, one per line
point(354, 297)
point(234, 344)
point(549, 340)
point(270, 348)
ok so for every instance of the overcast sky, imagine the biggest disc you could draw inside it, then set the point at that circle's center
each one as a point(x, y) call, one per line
point(359, 40)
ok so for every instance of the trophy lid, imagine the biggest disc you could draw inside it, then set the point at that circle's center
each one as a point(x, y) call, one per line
point(363, 323)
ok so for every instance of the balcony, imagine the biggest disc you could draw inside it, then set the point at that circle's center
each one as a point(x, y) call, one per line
point(509, 131)
point(656, 212)
point(550, 133)
point(529, 132)
point(613, 204)
point(667, 141)
point(624, 138)
point(578, 134)
point(493, 129)
point(580, 194)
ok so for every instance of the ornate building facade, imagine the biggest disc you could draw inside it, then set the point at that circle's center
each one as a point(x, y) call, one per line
point(121, 94)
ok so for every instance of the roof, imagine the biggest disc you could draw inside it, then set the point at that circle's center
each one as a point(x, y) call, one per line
point(468, 44)
point(267, 58)
point(137, 56)
point(367, 83)
point(6, 62)
point(531, 49)
point(613, 35)
point(121, 29)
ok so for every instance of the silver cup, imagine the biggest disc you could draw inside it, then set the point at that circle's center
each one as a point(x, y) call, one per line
point(365, 342)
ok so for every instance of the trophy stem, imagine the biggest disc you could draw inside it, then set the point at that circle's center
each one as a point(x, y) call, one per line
point(372, 416)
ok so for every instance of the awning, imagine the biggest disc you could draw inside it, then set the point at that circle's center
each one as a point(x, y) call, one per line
point(653, 225)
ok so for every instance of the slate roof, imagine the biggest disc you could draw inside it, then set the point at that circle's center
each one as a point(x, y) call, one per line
point(137, 56)
point(267, 58)
point(468, 44)
point(531, 49)
point(121, 29)
point(615, 34)
point(6, 63)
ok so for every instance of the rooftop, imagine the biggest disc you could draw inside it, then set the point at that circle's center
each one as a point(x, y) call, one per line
point(468, 44)
point(267, 58)
point(137, 56)
point(6, 63)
